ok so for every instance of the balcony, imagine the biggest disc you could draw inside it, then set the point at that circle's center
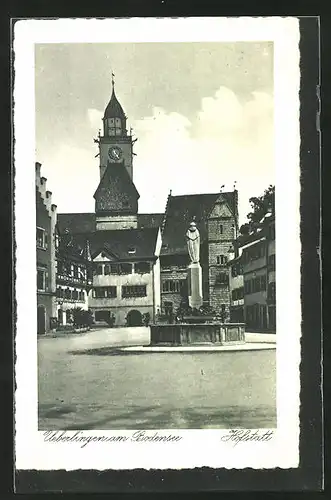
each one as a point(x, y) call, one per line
point(67, 279)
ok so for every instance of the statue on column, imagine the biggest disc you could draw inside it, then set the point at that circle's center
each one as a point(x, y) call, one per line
point(193, 243)
point(194, 272)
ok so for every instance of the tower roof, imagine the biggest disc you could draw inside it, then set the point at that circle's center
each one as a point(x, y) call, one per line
point(182, 210)
point(116, 191)
point(114, 109)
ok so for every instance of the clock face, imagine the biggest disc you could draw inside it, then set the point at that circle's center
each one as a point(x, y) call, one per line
point(115, 153)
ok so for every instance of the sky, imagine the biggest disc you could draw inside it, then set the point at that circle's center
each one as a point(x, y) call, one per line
point(202, 114)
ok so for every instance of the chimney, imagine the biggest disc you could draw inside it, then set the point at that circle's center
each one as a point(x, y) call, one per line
point(42, 186)
point(48, 200)
point(38, 168)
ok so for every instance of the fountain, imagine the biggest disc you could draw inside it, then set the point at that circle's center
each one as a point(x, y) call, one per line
point(197, 328)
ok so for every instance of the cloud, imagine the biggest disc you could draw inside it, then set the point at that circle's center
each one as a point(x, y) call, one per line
point(95, 118)
point(229, 140)
point(72, 175)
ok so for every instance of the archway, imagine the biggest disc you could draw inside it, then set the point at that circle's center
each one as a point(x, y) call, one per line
point(41, 320)
point(134, 318)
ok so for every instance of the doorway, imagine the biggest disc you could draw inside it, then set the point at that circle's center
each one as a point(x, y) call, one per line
point(134, 318)
point(41, 320)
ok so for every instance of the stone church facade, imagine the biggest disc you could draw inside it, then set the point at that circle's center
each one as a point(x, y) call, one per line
point(140, 260)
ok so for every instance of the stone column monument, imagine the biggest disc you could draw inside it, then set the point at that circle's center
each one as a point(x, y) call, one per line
point(194, 272)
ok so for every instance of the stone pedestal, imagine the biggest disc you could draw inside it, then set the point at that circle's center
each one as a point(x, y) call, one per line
point(181, 334)
point(194, 279)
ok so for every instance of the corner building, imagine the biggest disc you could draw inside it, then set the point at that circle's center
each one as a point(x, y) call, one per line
point(45, 254)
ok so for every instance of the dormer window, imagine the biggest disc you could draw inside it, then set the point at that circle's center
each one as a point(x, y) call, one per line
point(131, 250)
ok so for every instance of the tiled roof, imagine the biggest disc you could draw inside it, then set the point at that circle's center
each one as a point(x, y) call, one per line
point(116, 187)
point(244, 239)
point(181, 210)
point(114, 109)
point(230, 198)
point(86, 222)
point(76, 223)
point(150, 220)
point(70, 248)
point(120, 242)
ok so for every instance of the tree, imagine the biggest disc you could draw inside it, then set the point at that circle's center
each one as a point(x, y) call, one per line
point(261, 206)
point(81, 318)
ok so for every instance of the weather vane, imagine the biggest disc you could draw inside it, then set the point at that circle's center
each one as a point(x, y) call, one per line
point(112, 79)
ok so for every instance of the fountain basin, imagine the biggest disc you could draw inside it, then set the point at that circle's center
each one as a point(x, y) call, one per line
point(182, 334)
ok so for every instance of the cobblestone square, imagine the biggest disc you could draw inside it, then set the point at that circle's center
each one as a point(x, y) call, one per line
point(85, 383)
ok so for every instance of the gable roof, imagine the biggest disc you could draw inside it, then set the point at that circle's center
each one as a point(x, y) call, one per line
point(231, 200)
point(119, 242)
point(70, 248)
point(181, 210)
point(85, 223)
point(261, 232)
point(76, 223)
point(115, 186)
point(150, 220)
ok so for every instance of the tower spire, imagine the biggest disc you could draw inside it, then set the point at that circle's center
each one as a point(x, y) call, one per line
point(112, 81)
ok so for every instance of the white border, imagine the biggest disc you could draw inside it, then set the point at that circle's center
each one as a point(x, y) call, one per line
point(198, 447)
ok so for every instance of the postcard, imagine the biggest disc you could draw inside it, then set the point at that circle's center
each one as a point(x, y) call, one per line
point(157, 186)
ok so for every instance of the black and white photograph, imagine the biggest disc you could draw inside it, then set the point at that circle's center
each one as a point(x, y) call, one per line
point(156, 174)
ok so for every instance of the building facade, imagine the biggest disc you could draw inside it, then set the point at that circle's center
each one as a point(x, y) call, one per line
point(73, 278)
point(259, 277)
point(236, 285)
point(140, 260)
point(126, 280)
point(124, 244)
point(45, 254)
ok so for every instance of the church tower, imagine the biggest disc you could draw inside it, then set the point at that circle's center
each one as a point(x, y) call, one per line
point(115, 145)
point(116, 197)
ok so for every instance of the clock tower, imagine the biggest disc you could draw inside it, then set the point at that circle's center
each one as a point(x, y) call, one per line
point(116, 197)
point(115, 145)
